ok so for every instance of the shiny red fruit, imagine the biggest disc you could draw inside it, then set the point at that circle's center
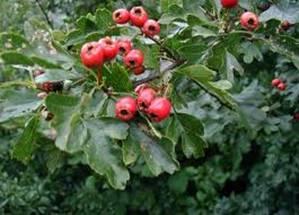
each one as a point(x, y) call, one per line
point(134, 59)
point(159, 109)
point(296, 117)
point(151, 28)
point(276, 82)
point(282, 86)
point(110, 48)
point(138, 70)
point(121, 16)
point(92, 54)
point(249, 21)
point(124, 46)
point(229, 3)
point(145, 98)
point(138, 16)
point(126, 108)
point(140, 88)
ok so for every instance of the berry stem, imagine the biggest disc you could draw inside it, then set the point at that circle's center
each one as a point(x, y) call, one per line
point(99, 76)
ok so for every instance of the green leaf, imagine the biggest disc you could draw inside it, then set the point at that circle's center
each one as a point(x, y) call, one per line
point(130, 150)
point(103, 155)
point(158, 154)
point(94, 137)
point(116, 76)
point(289, 12)
point(16, 58)
point(71, 133)
point(231, 65)
point(103, 19)
point(198, 72)
point(165, 4)
point(210, 87)
point(17, 103)
point(57, 75)
point(25, 146)
point(191, 130)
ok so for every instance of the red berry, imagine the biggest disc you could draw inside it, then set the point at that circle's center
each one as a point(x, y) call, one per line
point(276, 82)
point(110, 48)
point(38, 72)
point(282, 86)
point(126, 108)
point(140, 88)
point(121, 16)
point(124, 46)
point(134, 59)
point(296, 117)
point(229, 3)
point(138, 70)
point(249, 21)
point(138, 16)
point(145, 98)
point(151, 28)
point(159, 109)
point(92, 54)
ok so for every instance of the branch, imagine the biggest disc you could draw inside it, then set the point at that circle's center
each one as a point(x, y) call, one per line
point(157, 75)
point(44, 13)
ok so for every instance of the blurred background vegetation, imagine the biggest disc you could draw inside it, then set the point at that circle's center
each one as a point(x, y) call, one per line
point(243, 172)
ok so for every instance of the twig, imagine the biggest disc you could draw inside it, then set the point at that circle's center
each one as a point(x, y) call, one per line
point(44, 13)
point(157, 75)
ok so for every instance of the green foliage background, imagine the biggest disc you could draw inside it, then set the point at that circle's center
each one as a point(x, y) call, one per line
point(251, 169)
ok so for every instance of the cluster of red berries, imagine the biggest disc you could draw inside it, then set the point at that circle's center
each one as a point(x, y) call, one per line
point(279, 84)
point(248, 20)
point(155, 107)
point(138, 17)
point(94, 54)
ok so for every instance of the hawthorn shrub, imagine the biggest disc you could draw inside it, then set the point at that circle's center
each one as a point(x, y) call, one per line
point(230, 145)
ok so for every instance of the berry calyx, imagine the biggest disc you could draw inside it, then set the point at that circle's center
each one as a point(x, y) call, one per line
point(249, 21)
point(92, 55)
point(276, 82)
point(138, 70)
point(282, 87)
point(138, 16)
point(140, 88)
point(109, 47)
point(145, 98)
point(121, 16)
point(124, 46)
point(159, 109)
point(126, 108)
point(151, 28)
point(229, 3)
point(134, 59)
